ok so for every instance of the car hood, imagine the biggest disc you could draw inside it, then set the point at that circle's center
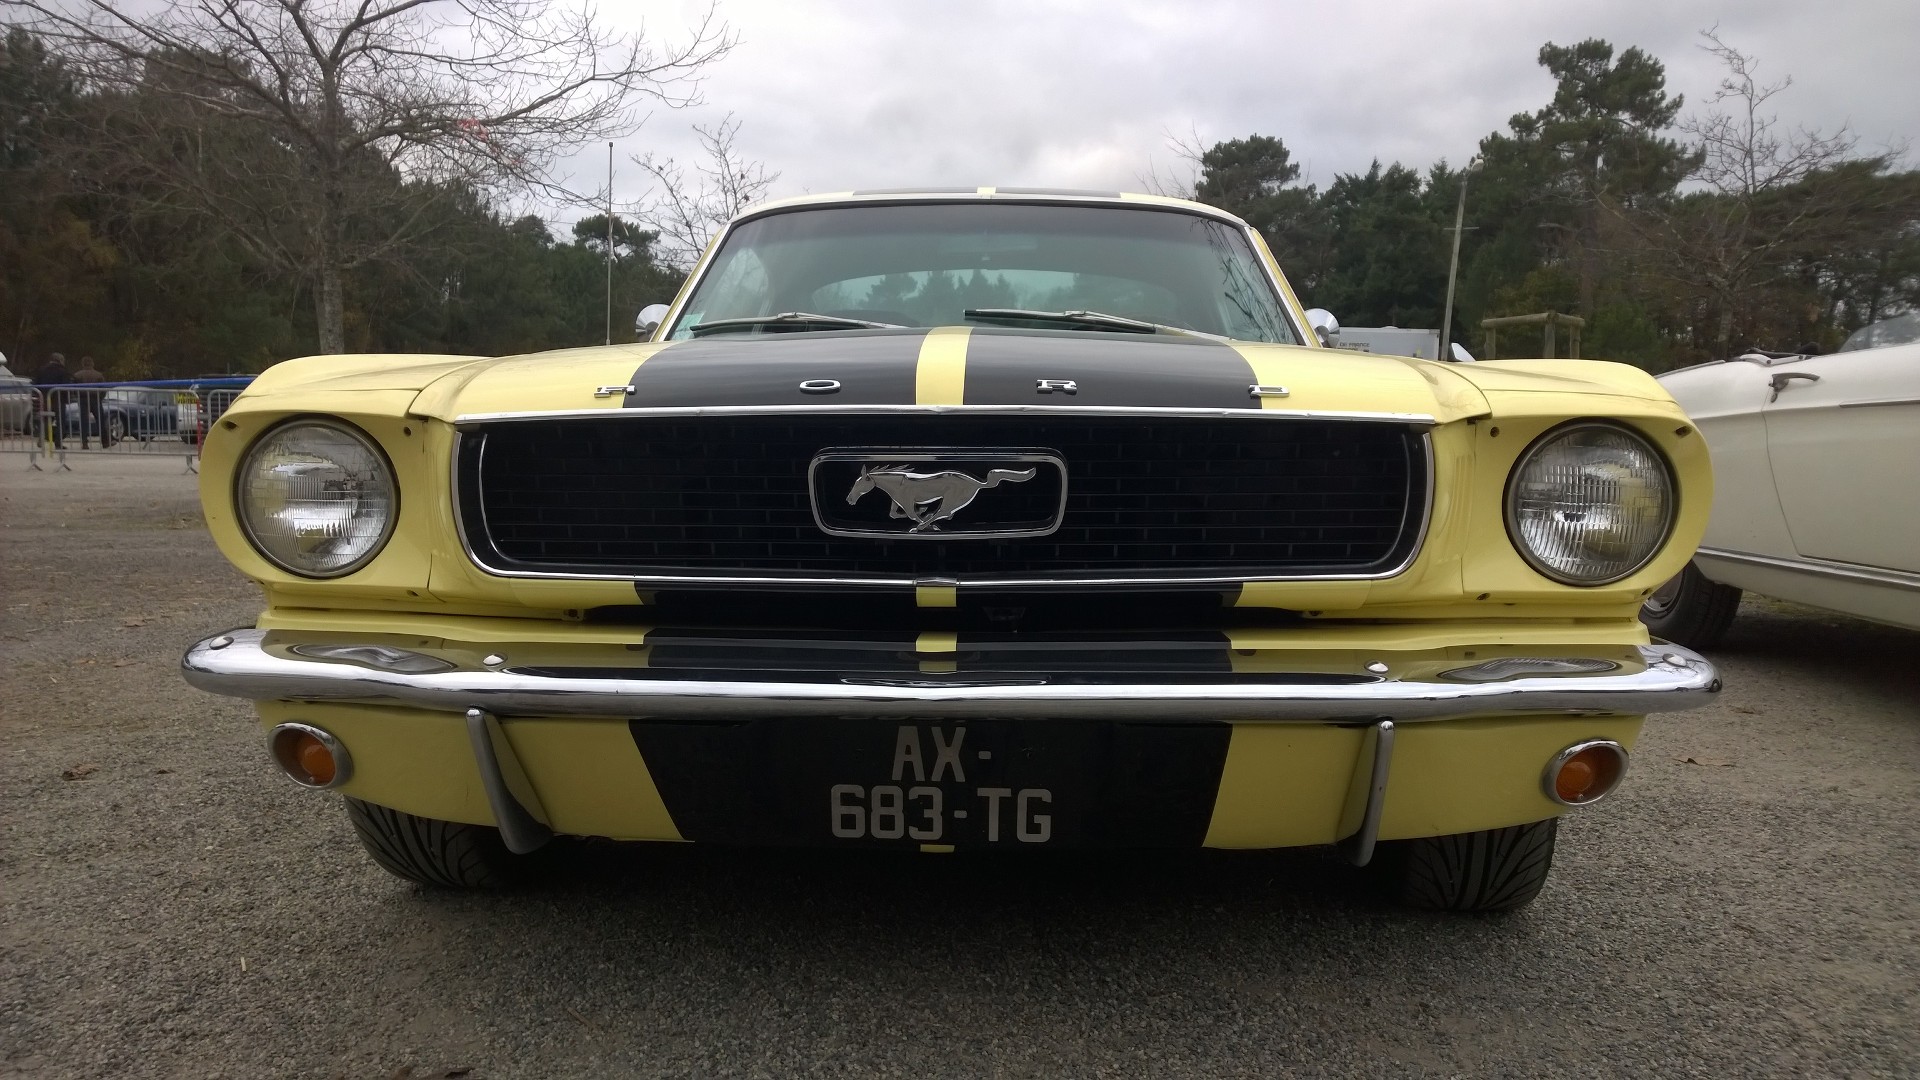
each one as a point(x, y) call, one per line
point(951, 366)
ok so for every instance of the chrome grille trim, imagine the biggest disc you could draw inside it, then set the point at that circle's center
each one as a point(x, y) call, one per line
point(1415, 550)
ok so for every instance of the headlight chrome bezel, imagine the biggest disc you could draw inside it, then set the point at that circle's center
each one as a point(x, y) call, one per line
point(338, 426)
point(1549, 438)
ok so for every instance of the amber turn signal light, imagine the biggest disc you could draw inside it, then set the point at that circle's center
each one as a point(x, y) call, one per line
point(311, 756)
point(1585, 772)
point(314, 759)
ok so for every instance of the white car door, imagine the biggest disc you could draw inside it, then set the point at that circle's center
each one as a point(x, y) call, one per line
point(1843, 436)
point(1725, 402)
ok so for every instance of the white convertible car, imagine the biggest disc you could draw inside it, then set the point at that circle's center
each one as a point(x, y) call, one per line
point(1816, 464)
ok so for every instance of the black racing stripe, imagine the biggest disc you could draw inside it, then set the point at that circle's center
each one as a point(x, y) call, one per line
point(1154, 611)
point(1096, 658)
point(745, 653)
point(1108, 369)
point(873, 367)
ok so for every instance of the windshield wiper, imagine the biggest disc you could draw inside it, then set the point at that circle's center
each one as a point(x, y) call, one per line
point(1093, 320)
point(796, 319)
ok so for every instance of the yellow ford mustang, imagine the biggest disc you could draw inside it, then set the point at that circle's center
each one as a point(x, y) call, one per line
point(995, 519)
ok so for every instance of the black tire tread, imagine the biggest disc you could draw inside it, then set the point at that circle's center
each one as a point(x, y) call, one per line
point(443, 854)
point(1700, 614)
point(1493, 870)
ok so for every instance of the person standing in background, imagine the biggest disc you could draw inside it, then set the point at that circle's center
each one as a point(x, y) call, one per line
point(53, 373)
point(91, 417)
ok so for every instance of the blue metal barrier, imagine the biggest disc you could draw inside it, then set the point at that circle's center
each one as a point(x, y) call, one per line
point(166, 416)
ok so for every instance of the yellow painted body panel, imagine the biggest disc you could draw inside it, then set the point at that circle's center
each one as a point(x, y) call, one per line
point(1467, 775)
point(419, 762)
point(1289, 785)
point(587, 777)
point(936, 596)
point(1357, 382)
point(358, 371)
point(1296, 785)
point(591, 778)
point(567, 379)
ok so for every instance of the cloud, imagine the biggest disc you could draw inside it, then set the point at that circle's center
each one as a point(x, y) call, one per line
point(888, 93)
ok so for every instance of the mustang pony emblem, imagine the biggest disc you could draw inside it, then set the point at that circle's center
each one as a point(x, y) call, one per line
point(927, 499)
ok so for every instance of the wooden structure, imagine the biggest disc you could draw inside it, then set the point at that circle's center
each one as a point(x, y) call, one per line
point(1547, 319)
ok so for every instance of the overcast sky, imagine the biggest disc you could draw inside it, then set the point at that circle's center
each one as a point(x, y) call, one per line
point(1077, 93)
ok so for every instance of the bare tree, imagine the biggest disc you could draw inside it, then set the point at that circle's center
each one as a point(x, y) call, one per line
point(1744, 152)
point(686, 214)
point(327, 134)
point(1770, 203)
point(1181, 178)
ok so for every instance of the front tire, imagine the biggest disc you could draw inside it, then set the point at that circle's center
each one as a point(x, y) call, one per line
point(1691, 610)
point(440, 854)
point(1492, 870)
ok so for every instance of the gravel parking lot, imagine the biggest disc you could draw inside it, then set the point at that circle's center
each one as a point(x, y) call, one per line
point(170, 906)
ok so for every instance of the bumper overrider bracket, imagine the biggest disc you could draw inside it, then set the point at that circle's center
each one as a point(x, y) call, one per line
point(1358, 848)
point(520, 830)
point(258, 666)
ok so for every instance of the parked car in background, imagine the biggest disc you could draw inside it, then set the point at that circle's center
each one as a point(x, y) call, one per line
point(993, 519)
point(16, 402)
point(203, 401)
point(189, 416)
point(1816, 463)
point(127, 412)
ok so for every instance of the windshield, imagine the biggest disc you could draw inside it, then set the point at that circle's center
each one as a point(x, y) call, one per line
point(927, 265)
point(1899, 330)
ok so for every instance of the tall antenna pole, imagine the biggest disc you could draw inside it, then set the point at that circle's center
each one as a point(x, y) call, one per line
point(1453, 267)
point(609, 241)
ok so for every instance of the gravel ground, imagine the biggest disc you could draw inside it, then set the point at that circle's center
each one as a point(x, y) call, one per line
point(170, 906)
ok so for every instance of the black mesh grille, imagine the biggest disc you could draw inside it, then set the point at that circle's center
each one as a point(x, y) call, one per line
point(1147, 497)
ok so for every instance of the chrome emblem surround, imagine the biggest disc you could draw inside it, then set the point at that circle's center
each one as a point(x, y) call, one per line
point(930, 487)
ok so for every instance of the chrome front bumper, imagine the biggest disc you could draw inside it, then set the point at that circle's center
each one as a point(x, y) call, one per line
point(251, 664)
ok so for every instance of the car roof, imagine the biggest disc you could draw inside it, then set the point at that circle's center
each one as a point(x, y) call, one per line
point(1058, 196)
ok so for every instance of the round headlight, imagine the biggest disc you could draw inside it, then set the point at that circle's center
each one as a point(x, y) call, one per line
point(1590, 503)
point(316, 498)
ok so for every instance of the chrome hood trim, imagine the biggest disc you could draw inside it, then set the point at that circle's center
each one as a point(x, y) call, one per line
point(1425, 420)
point(239, 664)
